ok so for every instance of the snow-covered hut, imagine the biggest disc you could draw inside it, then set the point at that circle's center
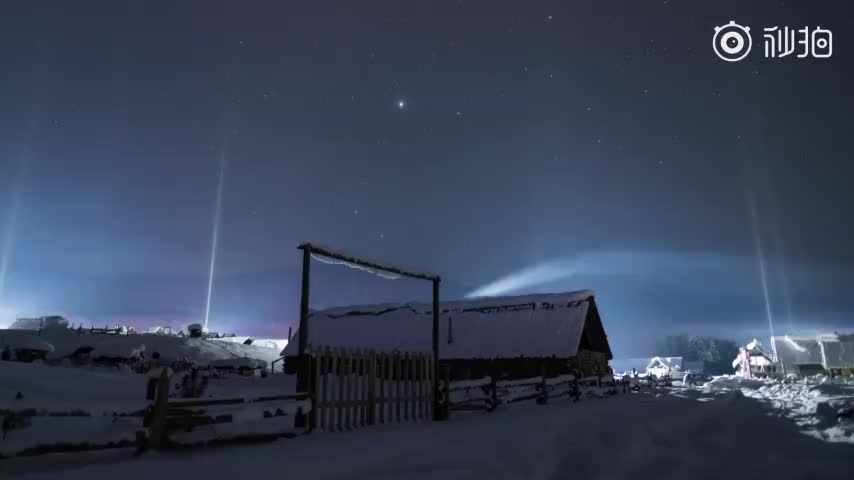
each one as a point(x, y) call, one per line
point(515, 335)
point(753, 361)
point(807, 355)
point(660, 367)
point(40, 323)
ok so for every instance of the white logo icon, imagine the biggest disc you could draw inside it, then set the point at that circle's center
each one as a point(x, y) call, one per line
point(732, 42)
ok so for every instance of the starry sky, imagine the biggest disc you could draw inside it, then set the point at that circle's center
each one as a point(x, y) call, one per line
point(510, 147)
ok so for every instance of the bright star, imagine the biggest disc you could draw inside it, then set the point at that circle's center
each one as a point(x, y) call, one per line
point(401, 104)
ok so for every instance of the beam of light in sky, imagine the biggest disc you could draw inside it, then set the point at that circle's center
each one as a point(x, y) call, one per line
point(10, 230)
point(760, 258)
point(539, 274)
point(223, 161)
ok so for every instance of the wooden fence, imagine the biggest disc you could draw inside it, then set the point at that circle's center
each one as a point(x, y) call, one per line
point(355, 388)
point(170, 423)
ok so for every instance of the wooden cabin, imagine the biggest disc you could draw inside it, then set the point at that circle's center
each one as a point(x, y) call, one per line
point(511, 337)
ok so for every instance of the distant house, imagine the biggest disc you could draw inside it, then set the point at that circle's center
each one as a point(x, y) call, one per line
point(754, 361)
point(660, 367)
point(513, 336)
point(40, 323)
point(808, 355)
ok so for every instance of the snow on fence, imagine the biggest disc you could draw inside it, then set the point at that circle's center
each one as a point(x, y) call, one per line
point(357, 388)
point(487, 394)
point(173, 423)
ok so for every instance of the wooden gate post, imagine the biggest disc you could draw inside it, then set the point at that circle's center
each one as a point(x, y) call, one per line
point(157, 430)
point(437, 411)
point(302, 361)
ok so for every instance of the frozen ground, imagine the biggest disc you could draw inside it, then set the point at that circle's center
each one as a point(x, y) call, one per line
point(665, 434)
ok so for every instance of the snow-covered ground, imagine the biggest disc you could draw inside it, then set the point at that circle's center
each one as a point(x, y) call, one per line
point(170, 347)
point(77, 404)
point(820, 407)
point(660, 434)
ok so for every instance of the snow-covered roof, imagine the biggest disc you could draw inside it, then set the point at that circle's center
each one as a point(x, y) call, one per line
point(278, 343)
point(490, 327)
point(236, 339)
point(791, 351)
point(667, 363)
point(53, 321)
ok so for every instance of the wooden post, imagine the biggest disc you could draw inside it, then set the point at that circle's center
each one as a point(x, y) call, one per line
point(157, 430)
point(302, 380)
point(544, 392)
point(289, 333)
point(436, 313)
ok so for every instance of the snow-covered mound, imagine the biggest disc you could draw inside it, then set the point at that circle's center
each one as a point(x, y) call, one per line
point(65, 388)
point(170, 348)
point(822, 407)
point(732, 382)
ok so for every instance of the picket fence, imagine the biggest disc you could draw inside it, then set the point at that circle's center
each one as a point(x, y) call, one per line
point(356, 388)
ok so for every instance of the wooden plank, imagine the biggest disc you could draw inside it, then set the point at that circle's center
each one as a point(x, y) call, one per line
point(404, 379)
point(431, 384)
point(339, 407)
point(396, 380)
point(317, 361)
point(323, 404)
point(417, 385)
point(348, 389)
point(383, 364)
point(410, 402)
point(363, 389)
point(372, 385)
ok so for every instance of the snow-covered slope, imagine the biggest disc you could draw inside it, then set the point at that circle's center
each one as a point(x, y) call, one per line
point(170, 348)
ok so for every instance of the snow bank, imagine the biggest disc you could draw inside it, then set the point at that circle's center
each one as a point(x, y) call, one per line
point(634, 436)
point(170, 348)
point(820, 407)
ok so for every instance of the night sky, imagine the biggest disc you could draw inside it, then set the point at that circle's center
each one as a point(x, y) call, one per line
point(510, 147)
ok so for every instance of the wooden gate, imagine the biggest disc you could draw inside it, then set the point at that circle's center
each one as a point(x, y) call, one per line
point(355, 388)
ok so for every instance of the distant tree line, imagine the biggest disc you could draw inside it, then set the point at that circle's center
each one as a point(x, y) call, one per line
point(716, 353)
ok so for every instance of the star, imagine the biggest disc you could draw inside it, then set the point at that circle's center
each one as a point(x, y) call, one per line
point(401, 104)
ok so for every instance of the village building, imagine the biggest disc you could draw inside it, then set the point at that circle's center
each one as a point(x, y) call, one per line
point(512, 337)
point(753, 361)
point(660, 367)
point(810, 355)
